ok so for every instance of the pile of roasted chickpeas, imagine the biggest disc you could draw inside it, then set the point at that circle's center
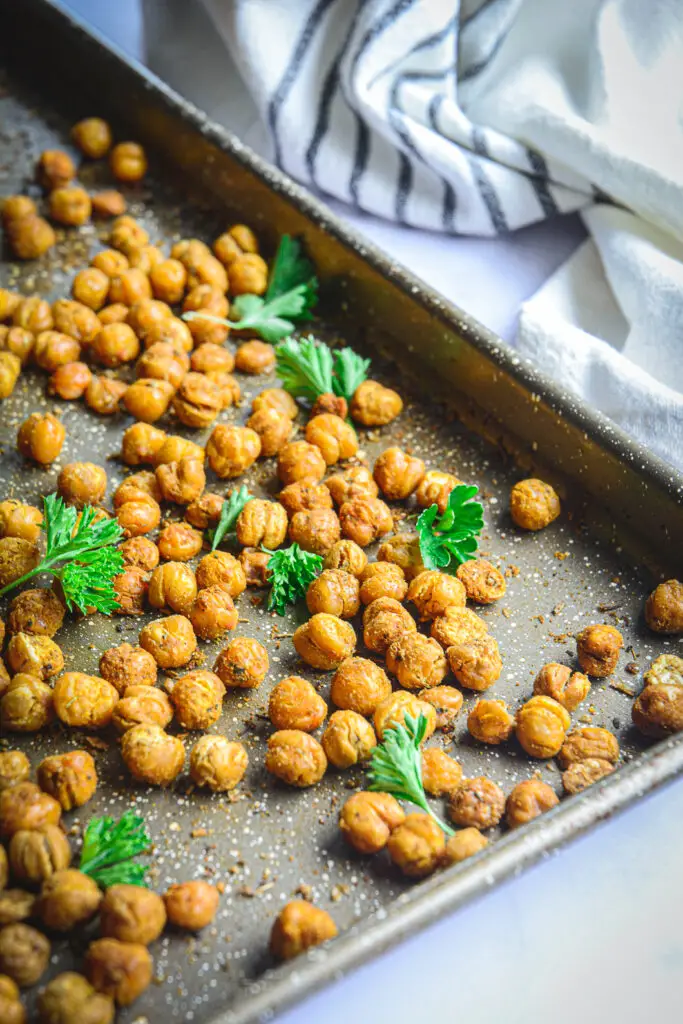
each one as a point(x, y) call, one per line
point(417, 645)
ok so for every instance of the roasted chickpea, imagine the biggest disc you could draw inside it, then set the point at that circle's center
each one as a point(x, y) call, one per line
point(108, 203)
point(179, 542)
point(163, 362)
point(218, 763)
point(34, 655)
point(348, 739)
point(16, 207)
point(441, 775)
point(171, 331)
point(559, 682)
point(10, 368)
point(23, 806)
point(138, 517)
point(115, 312)
point(121, 970)
point(324, 641)
point(168, 280)
point(275, 398)
point(130, 489)
point(14, 768)
point(483, 583)
point(255, 565)
point(248, 275)
point(373, 405)
point(70, 205)
point(582, 774)
point(111, 262)
point(191, 905)
point(261, 524)
point(73, 318)
point(30, 237)
point(181, 482)
point(255, 357)
point(131, 913)
point(304, 496)
point(33, 314)
point(228, 388)
point(464, 844)
point(232, 450)
point(295, 757)
point(20, 520)
point(664, 608)
point(142, 444)
point(130, 288)
point(234, 243)
point(295, 704)
point(597, 649)
point(38, 853)
point(272, 427)
point(5, 679)
point(417, 845)
point(351, 483)
point(91, 287)
point(347, 556)
point(489, 721)
point(70, 381)
point(140, 551)
point(314, 531)
point(55, 168)
point(146, 258)
point(52, 350)
point(17, 341)
point(433, 592)
point(384, 620)
point(397, 473)
point(331, 404)
point(16, 905)
point(24, 954)
point(417, 661)
point(447, 702)
point(242, 664)
point(477, 803)
point(70, 778)
point(142, 705)
point(221, 569)
point(365, 520)
point(92, 135)
point(70, 997)
point(170, 641)
point(435, 488)
point(533, 504)
point(527, 801)
point(457, 626)
point(82, 483)
point(151, 755)
point(147, 315)
point(382, 579)
point(124, 665)
point(210, 357)
point(334, 592)
point(359, 685)
point(26, 705)
point(17, 557)
point(128, 162)
point(148, 399)
point(541, 726)
point(202, 266)
point(84, 701)
point(173, 585)
point(197, 699)
point(393, 710)
point(589, 742)
point(335, 438)
point(130, 590)
point(103, 395)
point(300, 460)
point(67, 899)
point(667, 668)
point(300, 926)
point(114, 345)
point(127, 235)
point(41, 437)
point(213, 613)
point(367, 820)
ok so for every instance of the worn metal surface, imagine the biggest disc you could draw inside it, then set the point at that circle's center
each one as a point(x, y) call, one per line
point(622, 514)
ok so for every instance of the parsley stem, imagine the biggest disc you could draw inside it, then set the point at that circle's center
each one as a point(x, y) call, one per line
point(42, 567)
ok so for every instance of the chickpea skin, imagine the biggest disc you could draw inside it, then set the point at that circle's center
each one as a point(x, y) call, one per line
point(417, 846)
point(261, 524)
point(582, 774)
point(41, 438)
point(300, 926)
point(664, 608)
point(68, 899)
point(140, 551)
point(70, 778)
point(179, 542)
point(447, 702)
point(373, 405)
point(348, 739)
point(541, 726)
point(335, 438)
point(120, 970)
point(170, 641)
point(368, 819)
point(489, 721)
point(191, 905)
point(70, 994)
point(559, 682)
point(83, 701)
point(300, 460)
point(533, 504)
point(295, 758)
point(351, 483)
point(334, 592)
point(597, 650)
point(82, 483)
point(441, 774)
point(20, 520)
point(588, 742)
point(347, 556)
point(197, 699)
point(37, 656)
point(23, 806)
point(477, 803)
point(128, 162)
point(315, 531)
point(464, 844)
point(384, 621)
point(393, 711)
point(527, 801)
point(365, 520)
point(151, 755)
point(359, 685)
point(232, 450)
point(213, 613)
point(417, 661)
point(218, 763)
point(324, 641)
point(26, 705)
point(242, 664)
point(131, 913)
point(124, 665)
point(295, 704)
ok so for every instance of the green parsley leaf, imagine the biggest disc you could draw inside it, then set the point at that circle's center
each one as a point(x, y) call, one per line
point(454, 535)
point(230, 511)
point(396, 765)
point(290, 268)
point(291, 571)
point(304, 367)
point(109, 848)
point(350, 372)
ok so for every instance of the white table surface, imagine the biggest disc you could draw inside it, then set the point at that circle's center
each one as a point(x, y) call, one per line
point(594, 933)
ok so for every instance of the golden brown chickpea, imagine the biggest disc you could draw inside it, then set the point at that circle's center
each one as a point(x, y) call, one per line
point(382, 579)
point(18, 342)
point(40, 437)
point(168, 280)
point(418, 662)
point(477, 803)
point(351, 483)
point(221, 569)
point(138, 517)
point(91, 287)
point(664, 608)
point(434, 489)
point(83, 701)
point(300, 926)
point(140, 551)
point(254, 356)
point(373, 405)
point(261, 524)
point(151, 755)
point(441, 774)
point(92, 135)
point(393, 710)
point(111, 262)
point(30, 237)
point(33, 314)
point(179, 542)
point(130, 589)
point(272, 427)
point(128, 162)
point(201, 265)
point(147, 315)
point(248, 275)
point(197, 402)
point(173, 585)
point(130, 287)
point(365, 520)
point(533, 504)
point(55, 168)
point(171, 332)
point(384, 620)
point(146, 258)
point(37, 854)
point(228, 388)
point(197, 699)
point(483, 583)
point(218, 763)
point(163, 362)
point(658, 711)
point(329, 403)
point(70, 205)
point(34, 655)
point(348, 739)
point(115, 312)
point(181, 482)
point(68, 899)
point(103, 395)
point(131, 913)
point(24, 806)
point(70, 997)
point(300, 460)
point(52, 350)
point(205, 511)
point(142, 444)
point(359, 685)
point(335, 438)
point(120, 970)
point(210, 357)
point(433, 592)
point(417, 846)
point(527, 801)
point(73, 318)
point(124, 665)
point(142, 705)
point(10, 368)
point(127, 235)
point(334, 592)
point(447, 702)
point(232, 450)
point(130, 489)
point(70, 778)
point(275, 398)
point(314, 531)
point(12, 1010)
point(14, 767)
point(19, 520)
point(16, 207)
point(82, 483)
point(324, 641)
point(559, 682)
point(115, 345)
point(597, 650)
point(457, 626)
point(24, 954)
point(295, 704)
point(228, 247)
point(191, 905)
point(70, 381)
point(397, 474)
point(541, 726)
point(304, 496)
point(36, 611)
point(589, 742)
point(295, 757)
point(26, 705)
point(367, 820)
point(206, 298)
point(108, 203)
point(5, 679)
point(582, 774)
point(489, 721)
point(17, 557)
point(16, 905)
point(213, 613)
point(255, 566)
point(347, 556)
point(148, 398)
point(242, 664)
point(464, 844)
point(170, 641)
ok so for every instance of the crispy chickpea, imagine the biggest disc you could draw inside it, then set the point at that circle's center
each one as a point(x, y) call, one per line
point(221, 569)
point(334, 592)
point(103, 395)
point(111, 262)
point(275, 398)
point(272, 427)
point(588, 742)
point(92, 135)
point(242, 664)
point(115, 345)
point(367, 820)
point(5, 679)
point(140, 551)
point(124, 665)
point(70, 778)
point(582, 774)
point(30, 237)
point(213, 613)
point(384, 620)
point(129, 490)
point(228, 388)
point(33, 314)
point(179, 542)
point(24, 954)
point(142, 705)
point(138, 517)
point(261, 524)
point(82, 483)
point(331, 404)
point(664, 608)
point(433, 592)
point(151, 755)
point(447, 702)
point(83, 701)
point(36, 611)
point(52, 350)
point(314, 531)
point(114, 312)
point(335, 438)
point(541, 726)
point(131, 913)
point(382, 579)
point(296, 758)
point(70, 205)
point(559, 682)
point(40, 438)
point(489, 721)
point(210, 357)
point(527, 801)
point(173, 332)
point(147, 315)
point(130, 287)
point(667, 668)
point(14, 768)
point(148, 399)
point(477, 803)
point(365, 520)
point(347, 556)
point(10, 368)
point(218, 763)
point(434, 489)
point(70, 381)
point(55, 168)
point(108, 203)
point(394, 709)
point(300, 460)
point(38, 853)
point(254, 356)
point(417, 845)
point(304, 496)
point(70, 997)
point(359, 685)
point(324, 641)
point(533, 504)
point(202, 330)
point(16, 207)
point(197, 699)
point(483, 583)
point(121, 970)
point(91, 287)
point(418, 662)
point(12, 1010)
point(351, 483)
point(201, 265)
point(141, 444)
point(128, 162)
point(300, 926)
point(234, 243)
point(18, 519)
point(73, 318)
point(163, 362)
point(232, 450)
point(24, 806)
point(295, 704)
point(26, 705)
point(34, 655)
point(464, 844)
point(168, 280)
point(205, 511)
point(181, 482)
point(16, 905)
point(457, 626)
point(67, 899)
point(373, 405)
point(18, 341)
point(191, 905)
point(146, 258)
point(170, 641)
point(397, 474)
point(17, 557)
point(597, 649)
point(248, 275)
point(348, 739)
point(441, 774)
point(173, 585)
point(127, 235)
point(130, 590)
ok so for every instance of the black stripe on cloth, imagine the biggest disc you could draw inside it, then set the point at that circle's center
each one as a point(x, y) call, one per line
point(404, 188)
point(360, 159)
point(424, 44)
point(475, 69)
point(450, 198)
point(289, 77)
point(539, 180)
point(482, 7)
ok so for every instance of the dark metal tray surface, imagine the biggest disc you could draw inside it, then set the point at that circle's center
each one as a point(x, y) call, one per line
point(472, 409)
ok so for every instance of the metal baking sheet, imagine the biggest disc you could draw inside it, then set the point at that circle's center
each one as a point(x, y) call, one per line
point(487, 417)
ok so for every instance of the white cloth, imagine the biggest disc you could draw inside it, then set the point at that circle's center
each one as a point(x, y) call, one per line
point(482, 116)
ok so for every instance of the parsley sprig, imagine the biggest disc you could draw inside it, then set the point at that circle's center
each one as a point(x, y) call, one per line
point(307, 368)
point(230, 511)
point(291, 571)
point(396, 766)
point(109, 848)
point(89, 560)
point(453, 536)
